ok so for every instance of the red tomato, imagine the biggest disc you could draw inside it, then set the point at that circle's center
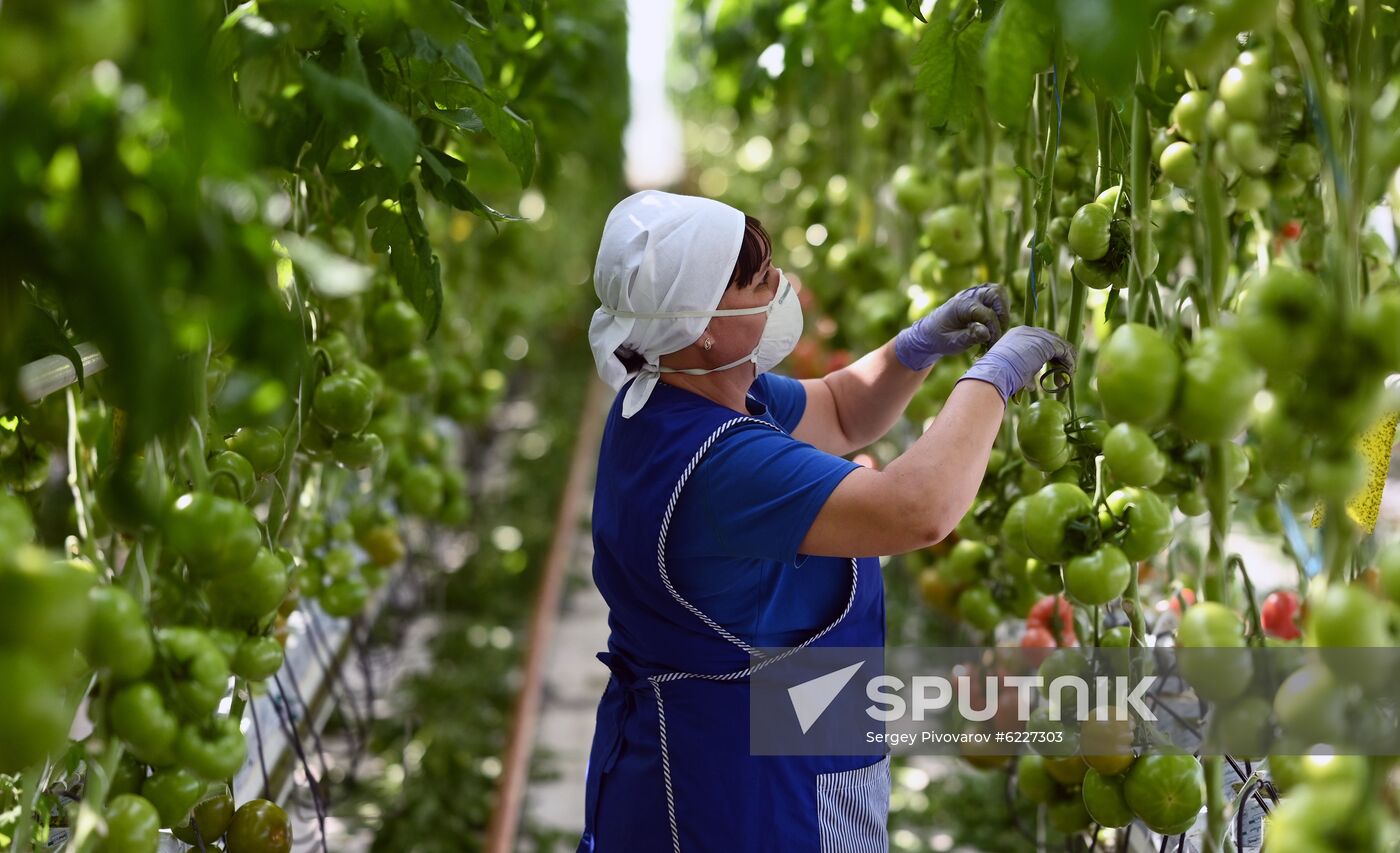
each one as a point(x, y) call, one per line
point(1280, 615)
point(837, 360)
point(1049, 616)
point(1185, 594)
point(1035, 639)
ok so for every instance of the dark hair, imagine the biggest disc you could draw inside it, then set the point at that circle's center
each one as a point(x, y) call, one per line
point(753, 252)
point(756, 248)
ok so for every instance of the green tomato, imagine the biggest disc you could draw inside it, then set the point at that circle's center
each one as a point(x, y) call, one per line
point(1089, 231)
point(35, 715)
point(411, 373)
point(173, 792)
point(1137, 372)
point(119, 638)
point(1032, 780)
point(260, 826)
point(1013, 528)
point(137, 715)
point(262, 446)
point(1178, 163)
point(1068, 816)
point(978, 608)
point(1388, 567)
point(1252, 194)
point(209, 819)
point(257, 658)
point(1110, 197)
point(1133, 457)
point(357, 451)
point(43, 602)
point(133, 826)
point(1099, 577)
point(1282, 323)
point(369, 377)
point(1118, 637)
point(231, 476)
point(968, 562)
point(1105, 801)
point(345, 597)
point(1311, 706)
point(337, 345)
point(1248, 150)
point(200, 670)
point(1166, 791)
point(1219, 383)
point(214, 535)
point(1094, 276)
point(214, 749)
point(1041, 434)
point(1050, 515)
point(1245, 93)
point(953, 234)
point(1303, 161)
point(1189, 115)
point(396, 327)
point(249, 595)
point(1043, 578)
point(1211, 652)
point(343, 404)
point(1149, 521)
point(421, 490)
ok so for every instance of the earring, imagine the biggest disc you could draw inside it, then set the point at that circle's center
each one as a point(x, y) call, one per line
point(709, 342)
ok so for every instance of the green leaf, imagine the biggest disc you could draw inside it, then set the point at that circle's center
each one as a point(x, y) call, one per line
point(913, 7)
point(331, 274)
point(462, 119)
point(1018, 48)
point(353, 105)
point(949, 70)
point(515, 135)
point(443, 176)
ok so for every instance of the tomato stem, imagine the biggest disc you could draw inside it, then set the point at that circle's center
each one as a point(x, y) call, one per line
point(1141, 195)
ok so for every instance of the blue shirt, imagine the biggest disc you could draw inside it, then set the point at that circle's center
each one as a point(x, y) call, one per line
point(741, 517)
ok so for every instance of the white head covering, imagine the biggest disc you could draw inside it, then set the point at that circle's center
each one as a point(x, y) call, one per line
point(660, 253)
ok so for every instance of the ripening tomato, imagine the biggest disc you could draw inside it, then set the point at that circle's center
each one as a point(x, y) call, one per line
point(260, 826)
point(1279, 614)
point(208, 820)
point(1054, 614)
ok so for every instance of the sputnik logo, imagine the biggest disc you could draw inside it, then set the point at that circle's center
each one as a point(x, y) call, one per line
point(810, 699)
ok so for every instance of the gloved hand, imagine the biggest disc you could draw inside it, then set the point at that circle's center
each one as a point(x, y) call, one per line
point(1017, 358)
point(975, 315)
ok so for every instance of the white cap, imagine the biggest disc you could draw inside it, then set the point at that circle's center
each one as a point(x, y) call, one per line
point(660, 253)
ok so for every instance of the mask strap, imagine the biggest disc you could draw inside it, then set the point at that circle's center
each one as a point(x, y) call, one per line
point(679, 315)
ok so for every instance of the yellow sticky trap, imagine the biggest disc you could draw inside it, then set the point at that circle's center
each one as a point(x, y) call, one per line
point(1365, 506)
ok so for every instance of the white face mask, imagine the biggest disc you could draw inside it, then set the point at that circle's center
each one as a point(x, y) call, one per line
point(780, 333)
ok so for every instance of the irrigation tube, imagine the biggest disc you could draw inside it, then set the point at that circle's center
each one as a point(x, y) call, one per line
point(40, 378)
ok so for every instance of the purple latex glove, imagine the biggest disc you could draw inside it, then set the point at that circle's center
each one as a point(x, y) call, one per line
point(1017, 358)
point(976, 315)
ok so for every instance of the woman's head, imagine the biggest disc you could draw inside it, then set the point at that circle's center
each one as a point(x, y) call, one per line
point(755, 253)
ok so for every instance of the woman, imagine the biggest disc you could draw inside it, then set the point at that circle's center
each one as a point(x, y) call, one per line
point(726, 520)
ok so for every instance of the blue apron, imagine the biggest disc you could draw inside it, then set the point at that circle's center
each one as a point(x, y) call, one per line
point(669, 768)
